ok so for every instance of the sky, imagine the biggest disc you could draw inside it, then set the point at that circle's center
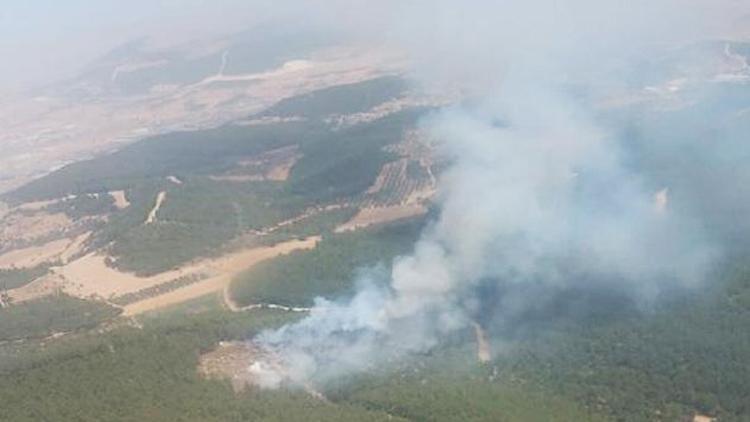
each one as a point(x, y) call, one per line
point(46, 40)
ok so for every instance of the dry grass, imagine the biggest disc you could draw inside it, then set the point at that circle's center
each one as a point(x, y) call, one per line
point(224, 269)
point(57, 250)
point(380, 215)
point(16, 226)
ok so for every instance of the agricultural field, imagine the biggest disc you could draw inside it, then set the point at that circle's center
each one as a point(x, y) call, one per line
point(133, 283)
point(164, 216)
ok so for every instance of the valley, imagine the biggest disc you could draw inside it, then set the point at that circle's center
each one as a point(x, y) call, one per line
point(144, 249)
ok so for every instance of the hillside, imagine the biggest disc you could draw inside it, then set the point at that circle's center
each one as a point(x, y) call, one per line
point(137, 283)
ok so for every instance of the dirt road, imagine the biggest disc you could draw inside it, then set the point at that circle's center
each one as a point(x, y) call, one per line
point(159, 201)
point(225, 269)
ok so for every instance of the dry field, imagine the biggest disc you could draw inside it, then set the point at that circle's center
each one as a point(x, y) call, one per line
point(380, 215)
point(61, 250)
point(121, 201)
point(62, 130)
point(223, 270)
point(396, 194)
point(26, 227)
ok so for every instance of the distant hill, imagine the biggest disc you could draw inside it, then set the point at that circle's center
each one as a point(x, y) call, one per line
point(137, 68)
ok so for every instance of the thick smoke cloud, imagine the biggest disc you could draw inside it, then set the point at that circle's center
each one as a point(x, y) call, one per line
point(542, 195)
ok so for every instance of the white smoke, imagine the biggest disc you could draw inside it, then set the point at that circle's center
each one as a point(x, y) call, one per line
point(538, 192)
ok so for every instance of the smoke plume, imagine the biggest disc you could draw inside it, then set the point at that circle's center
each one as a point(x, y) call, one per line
point(544, 195)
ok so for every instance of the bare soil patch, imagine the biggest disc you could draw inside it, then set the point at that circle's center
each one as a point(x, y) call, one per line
point(43, 286)
point(174, 180)
point(159, 201)
point(91, 276)
point(380, 215)
point(230, 360)
point(121, 202)
point(246, 365)
point(18, 226)
point(57, 250)
point(484, 352)
point(223, 270)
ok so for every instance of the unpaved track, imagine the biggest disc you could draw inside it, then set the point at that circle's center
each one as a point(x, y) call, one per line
point(225, 269)
point(233, 306)
point(159, 201)
point(380, 215)
point(56, 250)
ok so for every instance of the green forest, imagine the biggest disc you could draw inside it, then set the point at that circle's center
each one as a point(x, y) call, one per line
point(329, 270)
point(64, 358)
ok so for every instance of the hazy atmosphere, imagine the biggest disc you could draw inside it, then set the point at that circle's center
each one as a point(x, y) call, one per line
point(354, 210)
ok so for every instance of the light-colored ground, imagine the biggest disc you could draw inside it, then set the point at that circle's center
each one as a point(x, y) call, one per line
point(75, 248)
point(62, 130)
point(229, 360)
point(484, 352)
point(310, 212)
point(224, 269)
point(184, 294)
point(380, 215)
point(395, 194)
point(43, 286)
point(30, 257)
point(280, 173)
point(57, 250)
point(157, 204)
point(121, 201)
point(390, 107)
point(37, 205)
point(174, 180)
point(17, 226)
point(245, 364)
point(90, 277)
point(398, 166)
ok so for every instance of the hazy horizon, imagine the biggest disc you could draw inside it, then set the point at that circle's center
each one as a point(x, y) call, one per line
point(45, 41)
